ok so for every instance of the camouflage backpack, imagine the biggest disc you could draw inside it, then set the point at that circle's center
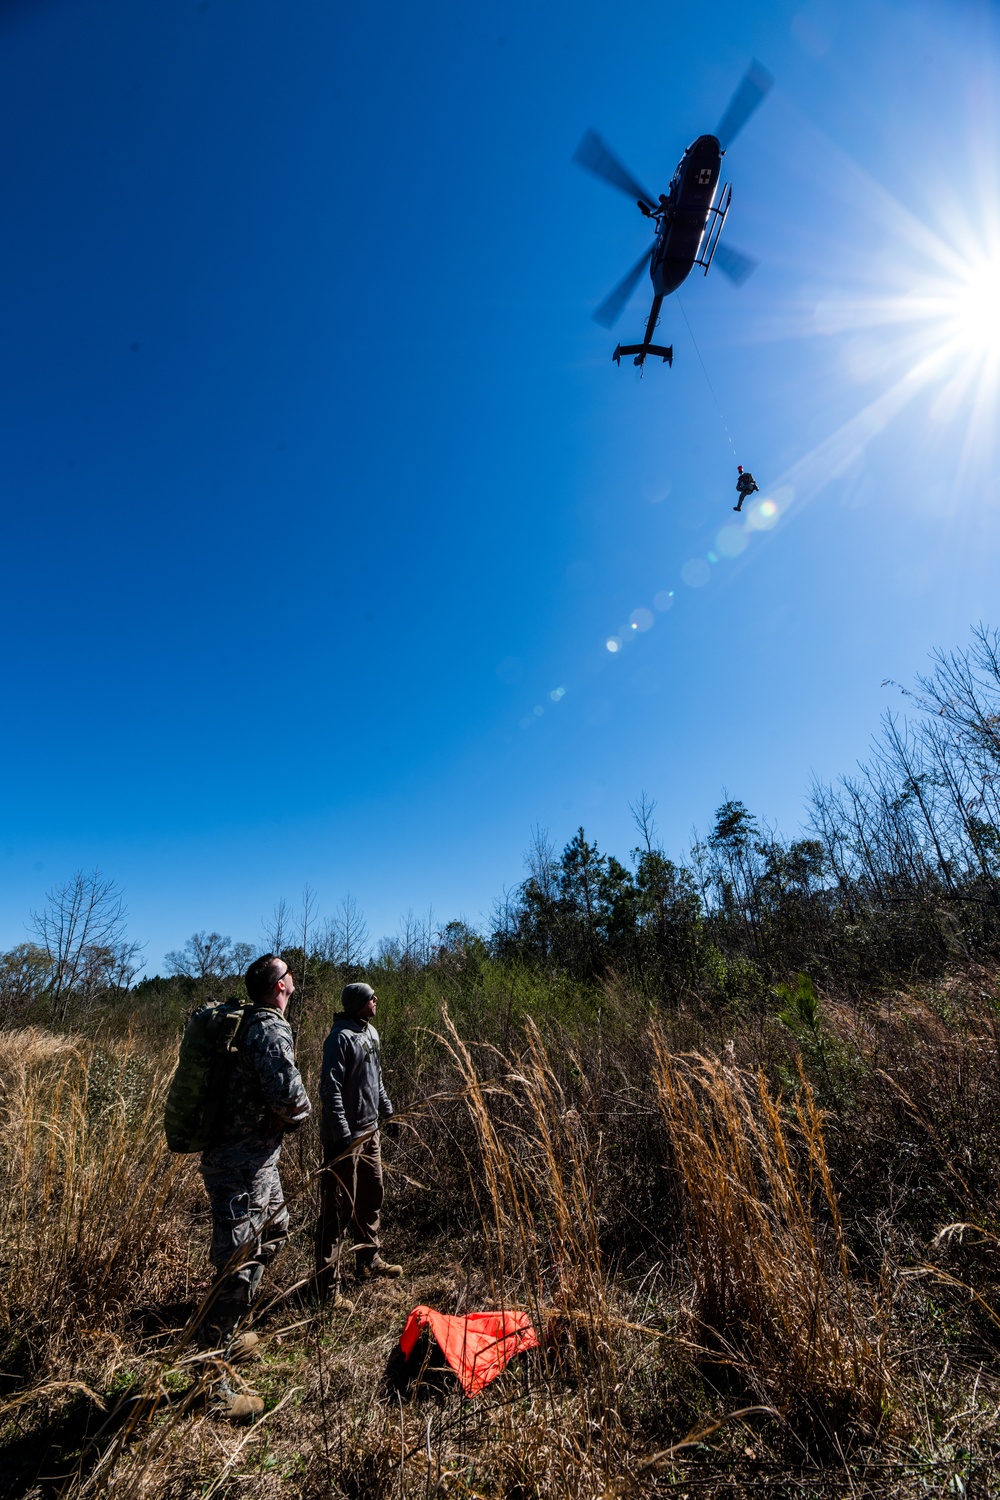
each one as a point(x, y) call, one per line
point(197, 1095)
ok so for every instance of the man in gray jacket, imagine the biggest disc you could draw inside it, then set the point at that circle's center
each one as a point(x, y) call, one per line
point(354, 1101)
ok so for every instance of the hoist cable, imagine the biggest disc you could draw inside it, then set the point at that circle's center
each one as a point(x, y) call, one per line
point(705, 373)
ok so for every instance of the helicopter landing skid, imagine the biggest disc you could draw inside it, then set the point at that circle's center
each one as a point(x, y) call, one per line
point(641, 350)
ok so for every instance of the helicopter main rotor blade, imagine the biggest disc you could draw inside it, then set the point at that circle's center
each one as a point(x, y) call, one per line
point(613, 305)
point(734, 264)
point(596, 157)
point(755, 84)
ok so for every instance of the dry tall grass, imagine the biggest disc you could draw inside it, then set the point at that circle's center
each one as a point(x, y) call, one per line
point(531, 1150)
point(88, 1185)
point(534, 1185)
point(768, 1257)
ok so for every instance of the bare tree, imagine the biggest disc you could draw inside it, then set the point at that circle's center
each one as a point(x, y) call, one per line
point(277, 931)
point(243, 955)
point(642, 814)
point(540, 858)
point(297, 1008)
point(82, 933)
point(308, 918)
point(389, 953)
point(503, 923)
point(346, 940)
point(208, 957)
point(416, 939)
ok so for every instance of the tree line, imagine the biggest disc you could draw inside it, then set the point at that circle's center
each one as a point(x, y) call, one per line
point(896, 874)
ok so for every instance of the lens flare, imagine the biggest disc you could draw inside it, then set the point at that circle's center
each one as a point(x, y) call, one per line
point(613, 644)
point(664, 600)
point(641, 619)
point(731, 541)
point(762, 515)
point(696, 573)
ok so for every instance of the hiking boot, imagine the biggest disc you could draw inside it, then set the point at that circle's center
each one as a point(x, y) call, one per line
point(241, 1347)
point(238, 1406)
point(378, 1269)
point(326, 1292)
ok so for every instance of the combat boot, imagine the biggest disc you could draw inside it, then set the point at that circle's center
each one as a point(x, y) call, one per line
point(377, 1269)
point(237, 1406)
point(241, 1348)
point(328, 1294)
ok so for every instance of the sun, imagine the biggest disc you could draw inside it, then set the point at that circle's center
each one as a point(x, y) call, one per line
point(970, 310)
point(957, 323)
point(917, 324)
point(950, 313)
point(932, 329)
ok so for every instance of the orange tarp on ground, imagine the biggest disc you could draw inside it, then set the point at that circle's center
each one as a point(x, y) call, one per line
point(476, 1345)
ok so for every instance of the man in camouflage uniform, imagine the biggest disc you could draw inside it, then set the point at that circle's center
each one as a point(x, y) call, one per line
point(351, 1187)
point(265, 1098)
point(746, 486)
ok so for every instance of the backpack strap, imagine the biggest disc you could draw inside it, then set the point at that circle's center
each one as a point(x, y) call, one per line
point(251, 1013)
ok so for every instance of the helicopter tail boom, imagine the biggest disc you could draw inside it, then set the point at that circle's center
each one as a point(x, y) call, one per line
point(665, 352)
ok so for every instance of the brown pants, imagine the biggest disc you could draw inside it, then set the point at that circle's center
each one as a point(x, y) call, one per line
point(351, 1195)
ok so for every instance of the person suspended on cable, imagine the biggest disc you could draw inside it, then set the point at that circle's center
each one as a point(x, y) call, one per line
point(745, 485)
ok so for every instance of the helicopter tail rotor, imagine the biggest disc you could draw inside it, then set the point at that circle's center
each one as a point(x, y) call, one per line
point(734, 264)
point(753, 87)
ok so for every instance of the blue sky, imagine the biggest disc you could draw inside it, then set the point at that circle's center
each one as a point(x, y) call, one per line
point(319, 480)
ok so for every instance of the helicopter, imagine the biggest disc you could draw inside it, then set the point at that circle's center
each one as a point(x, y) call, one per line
point(689, 217)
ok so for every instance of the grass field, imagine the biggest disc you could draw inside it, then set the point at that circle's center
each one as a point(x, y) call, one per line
point(759, 1249)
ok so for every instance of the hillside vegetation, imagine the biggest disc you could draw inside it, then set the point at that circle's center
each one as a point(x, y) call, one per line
point(728, 1129)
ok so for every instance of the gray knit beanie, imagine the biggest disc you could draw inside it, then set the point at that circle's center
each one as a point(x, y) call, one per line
point(353, 996)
